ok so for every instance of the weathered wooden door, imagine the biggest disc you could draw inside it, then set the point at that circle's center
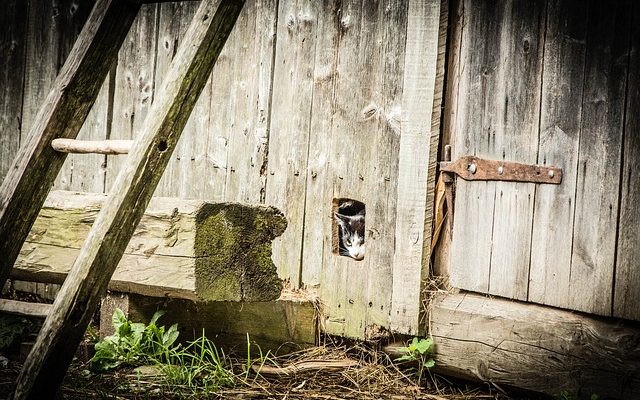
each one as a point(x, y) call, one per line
point(549, 82)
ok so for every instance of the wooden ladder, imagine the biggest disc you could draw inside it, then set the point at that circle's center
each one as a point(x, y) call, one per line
point(37, 164)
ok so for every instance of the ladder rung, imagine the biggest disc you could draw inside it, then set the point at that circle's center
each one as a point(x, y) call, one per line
point(92, 146)
point(25, 308)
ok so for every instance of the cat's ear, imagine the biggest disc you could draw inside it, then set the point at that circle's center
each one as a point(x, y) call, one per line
point(361, 213)
point(341, 219)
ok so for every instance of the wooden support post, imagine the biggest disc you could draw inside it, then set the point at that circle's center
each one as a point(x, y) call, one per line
point(80, 295)
point(36, 166)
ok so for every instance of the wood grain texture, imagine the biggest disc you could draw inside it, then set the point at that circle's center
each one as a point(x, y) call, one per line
point(13, 39)
point(248, 114)
point(599, 158)
point(293, 82)
point(366, 118)
point(627, 274)
point(134, 85)
point(560, 126)
point(180, 178)
point(80, 295)
point(497, 118)
point(536, 348)
point(62, 114)
point(38, 310)
point(414, 162)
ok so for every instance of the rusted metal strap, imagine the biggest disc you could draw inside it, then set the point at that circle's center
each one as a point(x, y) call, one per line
point(474, 168)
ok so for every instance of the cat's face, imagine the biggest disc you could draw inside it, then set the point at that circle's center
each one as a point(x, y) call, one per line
point(351, 235)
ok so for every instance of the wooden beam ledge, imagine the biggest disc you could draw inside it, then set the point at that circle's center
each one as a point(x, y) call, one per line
point(110, 147)
point(24, 308)
point(535, 347)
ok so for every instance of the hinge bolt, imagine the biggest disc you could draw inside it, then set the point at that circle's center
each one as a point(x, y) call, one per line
point(472, 168)
point(550, 173)
point(501, 170)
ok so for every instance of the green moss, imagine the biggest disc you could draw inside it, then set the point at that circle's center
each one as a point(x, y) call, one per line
point(233, 244)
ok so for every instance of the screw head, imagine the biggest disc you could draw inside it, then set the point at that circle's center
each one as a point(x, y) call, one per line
point(472, 168)
point(551, 173)
point(500, 170)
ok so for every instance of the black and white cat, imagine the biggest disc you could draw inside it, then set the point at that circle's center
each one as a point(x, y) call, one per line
point(350, 219)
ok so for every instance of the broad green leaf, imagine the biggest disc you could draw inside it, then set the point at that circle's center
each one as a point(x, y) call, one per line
point(156, 316)
point(171, 335)
point(430, 363)
point(424, 345)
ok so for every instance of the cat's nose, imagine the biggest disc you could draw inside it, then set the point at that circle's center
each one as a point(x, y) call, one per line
point(359, 256)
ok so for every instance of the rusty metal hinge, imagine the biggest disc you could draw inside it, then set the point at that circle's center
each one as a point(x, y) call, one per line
point(472, 168)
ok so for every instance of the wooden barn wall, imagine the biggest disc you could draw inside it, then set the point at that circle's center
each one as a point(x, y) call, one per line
point(309, 101)
point(549, 82)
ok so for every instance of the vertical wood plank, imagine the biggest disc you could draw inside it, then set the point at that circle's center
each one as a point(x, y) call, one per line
point(179, 179)
point(289, 131)
point(13, 22)
point(497, 118)
point(627, 273)
point(135, 82)
point(412, 221)
point(318, 219)
point(253, 58)
point(599, 157)
point(366, 126)
point(560, 125)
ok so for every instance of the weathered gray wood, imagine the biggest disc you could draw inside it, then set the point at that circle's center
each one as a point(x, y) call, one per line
point(135, 85)
point(53, 28)
point(366, 118)
point(293, 84)
point(413, 224)
point(13, 21)
point(184, 175)
point(597, 187)
point(535, 347)
point(560, 124)
point(62, 115)
point(94, 266)
point(181, 248)
point(497, 118)
point(249, 108)
point(23, 308)
point(92, 146)
point(627, 272)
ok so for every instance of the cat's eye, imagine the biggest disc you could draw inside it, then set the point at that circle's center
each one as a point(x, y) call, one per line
point(347, 242)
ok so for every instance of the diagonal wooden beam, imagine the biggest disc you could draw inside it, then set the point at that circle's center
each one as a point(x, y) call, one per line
point(36, 165)
point(87, 282)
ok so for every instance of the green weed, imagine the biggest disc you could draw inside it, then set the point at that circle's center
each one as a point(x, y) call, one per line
point(420, 350)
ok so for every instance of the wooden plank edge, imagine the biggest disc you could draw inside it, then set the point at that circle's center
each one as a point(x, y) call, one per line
point(23, 308)
point(533, 347)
